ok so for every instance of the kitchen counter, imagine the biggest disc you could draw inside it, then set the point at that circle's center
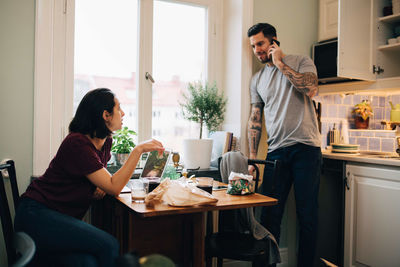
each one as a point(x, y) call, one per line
point(370, 157)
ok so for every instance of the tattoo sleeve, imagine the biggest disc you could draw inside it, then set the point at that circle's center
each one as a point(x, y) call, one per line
point(254, 128)
point(306, 83)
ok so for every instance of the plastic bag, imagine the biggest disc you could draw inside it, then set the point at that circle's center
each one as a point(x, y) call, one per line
point(179, 193)
point(240, 184)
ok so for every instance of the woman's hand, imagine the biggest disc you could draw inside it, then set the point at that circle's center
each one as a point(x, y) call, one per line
point(150, 145)
point(98, 193)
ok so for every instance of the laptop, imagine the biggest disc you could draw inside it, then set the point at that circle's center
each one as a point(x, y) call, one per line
point(154, 167)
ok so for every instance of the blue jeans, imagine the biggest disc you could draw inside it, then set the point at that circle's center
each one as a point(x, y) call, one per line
point(301, 166)
point(62, 240)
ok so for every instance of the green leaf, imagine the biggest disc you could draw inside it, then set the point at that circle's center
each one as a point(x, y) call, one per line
point(122, 141)
point(204, 105)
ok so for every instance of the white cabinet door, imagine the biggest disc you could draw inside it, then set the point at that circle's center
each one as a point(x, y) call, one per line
point(355, 44)
point(372, 216)
point(328, 20)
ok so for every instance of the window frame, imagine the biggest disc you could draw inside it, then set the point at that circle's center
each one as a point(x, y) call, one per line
point(54, 70)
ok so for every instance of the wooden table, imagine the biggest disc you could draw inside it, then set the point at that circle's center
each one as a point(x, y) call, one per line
point(177, 232)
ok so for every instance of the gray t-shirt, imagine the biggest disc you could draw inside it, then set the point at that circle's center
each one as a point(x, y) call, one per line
point(289, 114)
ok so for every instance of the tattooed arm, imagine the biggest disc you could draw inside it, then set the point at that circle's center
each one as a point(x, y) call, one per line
point(306, 83)
point(254, 128)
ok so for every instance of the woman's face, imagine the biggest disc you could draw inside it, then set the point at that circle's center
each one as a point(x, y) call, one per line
point(115, 120)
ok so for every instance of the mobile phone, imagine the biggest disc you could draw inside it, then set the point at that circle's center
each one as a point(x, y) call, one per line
point(276, 42)
point(220, 187)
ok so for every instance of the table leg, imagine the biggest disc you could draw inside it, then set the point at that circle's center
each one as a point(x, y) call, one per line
point(199, 227)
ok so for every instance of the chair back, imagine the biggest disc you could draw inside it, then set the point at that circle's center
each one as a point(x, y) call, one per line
point(230, 219)
point(273, 165)
point(6, 220)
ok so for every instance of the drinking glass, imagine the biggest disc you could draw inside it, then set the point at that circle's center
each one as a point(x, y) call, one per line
point(139, 189)
point(205, 183)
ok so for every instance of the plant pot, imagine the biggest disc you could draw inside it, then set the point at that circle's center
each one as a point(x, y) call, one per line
point(197, 153)
point(121, 158)
point(361, 123)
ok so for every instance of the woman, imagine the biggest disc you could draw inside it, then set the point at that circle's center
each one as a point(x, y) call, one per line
point(52, 207)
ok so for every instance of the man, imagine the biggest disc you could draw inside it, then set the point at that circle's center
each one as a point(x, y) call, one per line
point(284, 88)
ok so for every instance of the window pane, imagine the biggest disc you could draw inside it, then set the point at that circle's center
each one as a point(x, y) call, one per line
point(179, 57)
point(105, 51)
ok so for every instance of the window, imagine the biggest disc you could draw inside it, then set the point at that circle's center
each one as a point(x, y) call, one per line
point(106, 57)
point(179, 57)
point(105, 51)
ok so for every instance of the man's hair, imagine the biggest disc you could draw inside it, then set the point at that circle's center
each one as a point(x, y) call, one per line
point(89, 115)
point(268, 30)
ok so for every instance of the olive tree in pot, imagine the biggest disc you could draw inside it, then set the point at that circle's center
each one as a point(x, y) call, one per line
point(204, 105)
point(122, 144)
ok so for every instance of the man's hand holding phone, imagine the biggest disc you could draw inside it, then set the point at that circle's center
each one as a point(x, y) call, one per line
point(275, 52)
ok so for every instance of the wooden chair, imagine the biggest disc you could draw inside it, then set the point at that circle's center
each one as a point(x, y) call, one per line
point(230, 244)
point(19, 246)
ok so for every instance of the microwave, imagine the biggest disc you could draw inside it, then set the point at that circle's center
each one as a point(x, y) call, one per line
point(324, 55)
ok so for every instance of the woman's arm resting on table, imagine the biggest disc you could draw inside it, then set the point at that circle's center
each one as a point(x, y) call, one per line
point(113, 184)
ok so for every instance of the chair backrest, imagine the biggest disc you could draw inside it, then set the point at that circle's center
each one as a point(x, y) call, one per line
point(230, 219)
point(6, 220)
point(273, 165)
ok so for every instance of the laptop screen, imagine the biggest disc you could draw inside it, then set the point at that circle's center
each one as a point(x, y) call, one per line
point(155, 164)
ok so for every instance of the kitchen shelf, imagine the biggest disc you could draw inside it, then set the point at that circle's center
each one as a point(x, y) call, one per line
point(391, 18)
point(390, 47)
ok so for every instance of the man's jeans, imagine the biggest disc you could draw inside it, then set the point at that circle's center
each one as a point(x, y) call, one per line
point(62, 240)
point(301, 166)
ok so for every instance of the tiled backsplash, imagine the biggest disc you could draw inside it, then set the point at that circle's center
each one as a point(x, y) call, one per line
point(336, 108)
point(374, 140)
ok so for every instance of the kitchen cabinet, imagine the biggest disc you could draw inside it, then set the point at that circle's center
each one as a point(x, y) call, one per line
point(363, 52)
point(328, 20)
point(372, 216)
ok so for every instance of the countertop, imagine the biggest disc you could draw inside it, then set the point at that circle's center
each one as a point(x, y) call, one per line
point(371, 157)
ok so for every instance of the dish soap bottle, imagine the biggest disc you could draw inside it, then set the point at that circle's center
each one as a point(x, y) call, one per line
point(345, 132)
point(334, 135)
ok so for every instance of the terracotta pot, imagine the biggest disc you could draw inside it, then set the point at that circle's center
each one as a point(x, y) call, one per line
point(361, 123)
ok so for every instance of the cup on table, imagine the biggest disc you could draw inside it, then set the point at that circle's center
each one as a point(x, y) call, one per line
point(153, 182)
point(205, 183)
point(139, 189)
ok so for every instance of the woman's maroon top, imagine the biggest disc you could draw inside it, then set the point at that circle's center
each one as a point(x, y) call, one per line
point(64, 186)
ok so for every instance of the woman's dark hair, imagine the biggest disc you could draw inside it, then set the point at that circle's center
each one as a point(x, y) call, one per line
point(268, 30)
point(89, 115)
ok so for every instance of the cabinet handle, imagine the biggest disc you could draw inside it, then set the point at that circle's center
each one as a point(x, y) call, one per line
point(346, 181)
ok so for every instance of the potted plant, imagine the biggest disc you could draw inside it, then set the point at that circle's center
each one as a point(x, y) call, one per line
point(362, 111)
point(122, 144)
point(204, 105)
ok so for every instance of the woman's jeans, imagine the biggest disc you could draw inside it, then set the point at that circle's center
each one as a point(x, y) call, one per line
point(301, 166)
point(62, 240)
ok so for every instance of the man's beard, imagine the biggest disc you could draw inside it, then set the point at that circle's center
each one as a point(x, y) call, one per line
point(266, 60)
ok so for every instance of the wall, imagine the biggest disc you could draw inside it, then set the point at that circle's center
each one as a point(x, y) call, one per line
point(17, 28)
